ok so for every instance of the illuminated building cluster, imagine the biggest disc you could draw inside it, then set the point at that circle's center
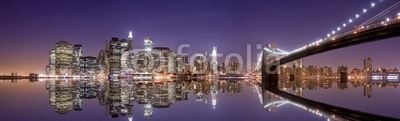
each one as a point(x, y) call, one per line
point(120, 59)
point(67, 59)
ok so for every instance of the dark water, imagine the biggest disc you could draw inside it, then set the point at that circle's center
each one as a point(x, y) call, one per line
point(377, 97)
point(165, 100)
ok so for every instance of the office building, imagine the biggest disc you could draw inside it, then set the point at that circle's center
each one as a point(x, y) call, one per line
point(88, 65)
point(115, 57)
point(78, 53)
point(64, 58)
point(148, 44)
point(368, 65)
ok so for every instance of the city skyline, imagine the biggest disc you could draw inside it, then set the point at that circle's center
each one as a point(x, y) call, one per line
point(204, 25)
point(199, 60)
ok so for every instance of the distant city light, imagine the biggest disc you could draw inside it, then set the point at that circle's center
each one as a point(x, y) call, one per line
point(372, 4)
point(364, 10)
point(398, 15)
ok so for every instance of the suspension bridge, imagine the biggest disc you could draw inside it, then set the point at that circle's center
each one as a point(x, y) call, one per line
point(271, 57)
point(373, 29)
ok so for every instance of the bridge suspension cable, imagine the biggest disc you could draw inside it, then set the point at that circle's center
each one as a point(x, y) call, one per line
point(274, 52)
point(351, 20)
point(384, 12)
point(259, 61)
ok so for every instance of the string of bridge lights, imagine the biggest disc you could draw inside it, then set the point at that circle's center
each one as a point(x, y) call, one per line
point(341, 27)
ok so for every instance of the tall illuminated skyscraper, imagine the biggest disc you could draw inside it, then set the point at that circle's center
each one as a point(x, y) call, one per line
point(64, 57)
point(148, 44)
point(130, 41)
point(368, 65)
point(124, 50)
point(172, 62)
point(115, 56)
point(214, 63)
point(78, 53)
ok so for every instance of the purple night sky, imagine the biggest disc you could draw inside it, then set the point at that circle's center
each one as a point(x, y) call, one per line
point(29, 29)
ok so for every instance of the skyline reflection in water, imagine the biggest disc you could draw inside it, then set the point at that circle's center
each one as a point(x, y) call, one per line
point(150, 100)
point(371, 96)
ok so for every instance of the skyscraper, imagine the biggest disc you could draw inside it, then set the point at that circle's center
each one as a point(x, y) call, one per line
point(124, 48)
point(214, 63)
point(179, 64)
point(199, 64)
point(172, 63)
point(233, 67)
point(161, 56)
point(101, 62)
point(78, 53)
point(87, 65)
point(298, 63)
point(115, 56)
point(51, 70)
point(64, 58)
point(368, 65)
point(130, 41)
point(148, 44)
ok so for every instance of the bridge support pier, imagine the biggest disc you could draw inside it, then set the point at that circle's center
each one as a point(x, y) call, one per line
point(270, 76)
point(270, 81)
point(343, 77)
point(291, 77)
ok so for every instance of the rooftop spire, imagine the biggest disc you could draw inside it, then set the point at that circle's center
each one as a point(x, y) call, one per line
point(130, 35)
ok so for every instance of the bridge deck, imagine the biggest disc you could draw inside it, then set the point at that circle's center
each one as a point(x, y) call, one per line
point(356, 36)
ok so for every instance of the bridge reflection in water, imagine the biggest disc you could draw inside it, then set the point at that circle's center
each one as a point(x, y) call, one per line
point(272, 97)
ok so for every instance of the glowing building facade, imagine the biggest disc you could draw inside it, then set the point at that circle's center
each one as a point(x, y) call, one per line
point(64, 58)
point(88, 65)
point(368, 65)
point(51, 68)
point(115, 56)
point(214, 62)
point(161, 56)
point(172, 63)
point(233, 68)
point(78, 53)
point(130, 41)
point(200, 64)
point(148, 44)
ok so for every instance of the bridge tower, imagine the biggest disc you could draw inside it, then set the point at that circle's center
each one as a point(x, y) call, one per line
point(270, 67)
